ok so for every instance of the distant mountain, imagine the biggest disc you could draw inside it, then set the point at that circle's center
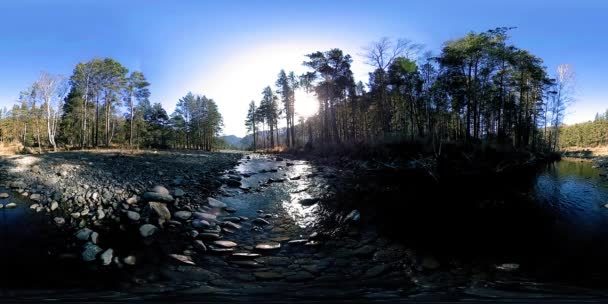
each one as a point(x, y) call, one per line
point(234, 141)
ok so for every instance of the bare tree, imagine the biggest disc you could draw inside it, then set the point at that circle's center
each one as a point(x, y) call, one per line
point(381, 55)
point(562, 97)
point(51, 89)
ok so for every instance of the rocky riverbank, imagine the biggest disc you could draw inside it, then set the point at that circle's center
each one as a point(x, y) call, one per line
point(260, 227)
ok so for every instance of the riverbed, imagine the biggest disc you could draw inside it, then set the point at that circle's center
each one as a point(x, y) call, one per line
point(545, 231)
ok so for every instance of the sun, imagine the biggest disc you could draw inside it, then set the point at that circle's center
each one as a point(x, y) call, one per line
point(306, 104)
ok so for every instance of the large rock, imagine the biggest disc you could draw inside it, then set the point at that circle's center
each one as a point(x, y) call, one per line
point(161, 210)
point(216, 204)
point(183, 215)
point(225, 244)
point(160, 190)
point(83, 234)
point(134, 216)
point(157, 197)
point(147, 230)
point(106, 257)
point(90, 252)
point(204, 216)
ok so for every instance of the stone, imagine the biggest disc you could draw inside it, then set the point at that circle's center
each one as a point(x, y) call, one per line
point(54, 205)
point(199, 246)
point(178, 192)
point(308, 201)
point(201, 224)
point(509, 267)
point(83, 234)
point(90, 252)
point(376, 271)
point(297, 242)
point(59, 221)
point(35, 169)
point(300, 276)
point(215, 203)
point(161, 210)
point(245, 255)
point(4, 195)
point(268, 275)
point(353, 216)
point(260, 221)
point(1, 206)
point(204, 216)
point(182, 258)
point(183, 215)
point(134, 216)
point(225, 244)
point(130, 260)
point(160, 190)
point(365, 251)
point(231, 225)
point(147, 230)
point(234, 219)
point(106, 257)
point(430, 263)
point(274, 260)
point(209, 236)
point(35, 197)
point(94, 237)
point(157, 197)
point(132, 200)
point(268, 246)
point(246, 263)
point(10, 205)
point(18, 185)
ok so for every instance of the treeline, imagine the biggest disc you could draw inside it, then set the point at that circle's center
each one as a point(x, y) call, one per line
point(103, 105)
point(584, 135)
point(480, 87)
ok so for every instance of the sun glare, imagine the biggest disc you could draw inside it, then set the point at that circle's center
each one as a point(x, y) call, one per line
point(306, 104)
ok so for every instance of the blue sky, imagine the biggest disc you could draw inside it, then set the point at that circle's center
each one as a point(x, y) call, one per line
point(230, 50)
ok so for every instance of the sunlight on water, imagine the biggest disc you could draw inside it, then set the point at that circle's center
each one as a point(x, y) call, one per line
point(303, 216)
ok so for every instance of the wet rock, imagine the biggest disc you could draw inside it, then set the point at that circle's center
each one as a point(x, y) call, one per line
point(178, 192)
point(230, 210)
point(308, 201)
point(134, 216)
point(220, 250)
point(225, 244)
point(260, 221)
point(204, 216)
point(34, 206)
point(10, 205)
point(201, 224)
point(509, 267)
point(268, 246)
point(94, 237)
point(376, 271)
point(246, 263)
point(268, 275)
point(4, 195)
point(209, 236)
point(106, 257)
point(132, 200)
point(182, 258)
point(199, 246)
point(183, 215)
point(430, 263)
point(215, 203)
point(297, 242)
point(353, 216)
point(1, 206)
point(18, 185)
point(161, 210)
point(245, 255)
point(365, 251)
point(160, 190)
point(234, 219)
point(300, 276)
point(35, 197)
point(147, 230)
point(274, 260)
point(157, 197)
point(90, 252)
point(231, 225)
point(54, 205)
point(59, 221)
point(83, 234)
point(130, 260)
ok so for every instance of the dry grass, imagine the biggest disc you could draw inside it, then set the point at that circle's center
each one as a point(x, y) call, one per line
point(595, 151)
